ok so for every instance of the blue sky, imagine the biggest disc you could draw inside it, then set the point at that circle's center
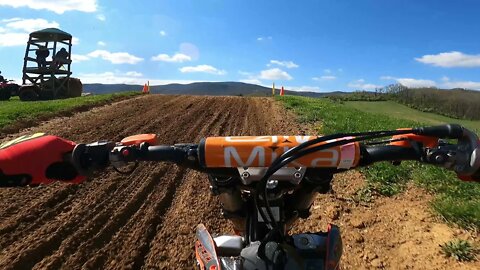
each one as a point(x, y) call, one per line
point(323, 45)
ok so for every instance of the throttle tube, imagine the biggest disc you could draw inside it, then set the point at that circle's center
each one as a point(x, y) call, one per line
point(387, 153)
point(450, 131)
point(162, 153)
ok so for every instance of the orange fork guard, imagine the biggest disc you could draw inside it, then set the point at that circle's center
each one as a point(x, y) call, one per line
point(151, 139)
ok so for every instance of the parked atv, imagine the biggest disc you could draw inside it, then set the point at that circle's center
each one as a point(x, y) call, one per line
point(8, 89)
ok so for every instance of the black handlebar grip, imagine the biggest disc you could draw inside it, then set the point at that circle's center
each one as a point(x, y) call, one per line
point(163, 153)
point(450, 131)
point(372, 154)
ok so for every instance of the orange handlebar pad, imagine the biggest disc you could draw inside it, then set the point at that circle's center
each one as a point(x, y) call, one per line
point(261, 151)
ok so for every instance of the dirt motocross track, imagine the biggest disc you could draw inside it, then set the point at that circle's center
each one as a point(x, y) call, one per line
point(147, 220)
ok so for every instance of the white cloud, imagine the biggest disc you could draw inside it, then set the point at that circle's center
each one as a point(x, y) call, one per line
point(325, 78)
point(75, 41)
point(56, 6)
point(461, 84)
point(304, 88)
point(116, 58)
point(252, 81)
point(410, 82)
point(101, 43)
point(30, 25)
point(134, 74)
point(11, 19)
point(361, 85)
point(124, 78)
point(79, 58)
point(274, 74)
point(328, 71)
point(13, 39)
point(451, 59)
point(163, 33)
point(176, 58)
point(445, 82)
point(287, 64)
point(264, 38)
point(101, 17)
point(203, 69)
point(269, 74)
point(15, 31)
point(245, 73)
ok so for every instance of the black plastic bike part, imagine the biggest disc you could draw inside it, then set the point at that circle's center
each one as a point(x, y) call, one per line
point(163, 153)
point(181, 154)
point(88, 157)
point(260, 210)
point(451, 131)
point(468, 154)
point(387, 153)
point(62, 171)
point(17, 180)
point(275, 254)
point(384, 141)
point(201, 153)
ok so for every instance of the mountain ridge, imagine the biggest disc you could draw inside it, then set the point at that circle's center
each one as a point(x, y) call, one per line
point(201, 88)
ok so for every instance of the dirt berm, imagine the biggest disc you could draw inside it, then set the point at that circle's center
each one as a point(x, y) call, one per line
point(147, 220)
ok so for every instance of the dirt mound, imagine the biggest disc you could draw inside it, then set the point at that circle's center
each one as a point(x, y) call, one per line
point(147, 220)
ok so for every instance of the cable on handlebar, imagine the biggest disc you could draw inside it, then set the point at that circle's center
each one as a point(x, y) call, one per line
point(129, 171)
point(297, 152)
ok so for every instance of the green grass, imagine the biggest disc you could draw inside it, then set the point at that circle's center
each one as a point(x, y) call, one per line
point(14, 110)
point(456, 201)
point(397, 110)
point(461, 250)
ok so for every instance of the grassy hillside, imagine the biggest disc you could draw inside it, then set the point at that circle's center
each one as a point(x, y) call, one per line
point(397, 110)
point(456, 201)
point(14, 110)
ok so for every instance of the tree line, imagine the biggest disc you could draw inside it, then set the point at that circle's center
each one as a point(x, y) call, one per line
point(456, 103)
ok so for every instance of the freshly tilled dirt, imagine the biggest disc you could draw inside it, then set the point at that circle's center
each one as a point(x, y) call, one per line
point(143, 220)
point(147, 220)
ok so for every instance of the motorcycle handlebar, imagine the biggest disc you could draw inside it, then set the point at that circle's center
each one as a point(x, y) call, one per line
point(160, 153)
point(463, 158)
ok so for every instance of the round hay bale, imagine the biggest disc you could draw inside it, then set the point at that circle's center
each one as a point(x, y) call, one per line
point(75, 87)
point(29, 93)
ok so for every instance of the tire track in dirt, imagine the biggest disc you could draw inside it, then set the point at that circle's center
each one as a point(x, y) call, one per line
point(115, 221)
point(195, 126)
point(54, 198)
point(193, 202)
point(30, 232)
point(91, 246)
